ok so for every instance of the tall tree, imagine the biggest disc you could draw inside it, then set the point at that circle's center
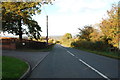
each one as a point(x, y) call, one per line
point(110, 27)
point(16, 14)
point(85, 33)
point(95, 35)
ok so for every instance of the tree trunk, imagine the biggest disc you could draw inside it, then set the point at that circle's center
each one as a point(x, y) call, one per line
point(20, 30)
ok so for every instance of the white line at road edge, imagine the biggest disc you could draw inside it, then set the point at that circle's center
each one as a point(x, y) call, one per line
point(89, 66)
point(39, 62)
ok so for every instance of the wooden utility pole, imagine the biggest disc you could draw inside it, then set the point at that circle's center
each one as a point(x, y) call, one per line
point(47, 28)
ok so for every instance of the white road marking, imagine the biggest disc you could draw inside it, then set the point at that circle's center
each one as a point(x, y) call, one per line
point(94, 69)
point(70, 53)
point(89, 66)
point(39, 62)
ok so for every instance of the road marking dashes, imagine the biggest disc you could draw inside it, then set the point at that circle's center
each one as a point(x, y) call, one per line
point(98, 72)
point(94, 69)
point(70, 53)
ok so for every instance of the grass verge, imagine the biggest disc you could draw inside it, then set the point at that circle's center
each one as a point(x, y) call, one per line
point(114, 55)
point(12, 68)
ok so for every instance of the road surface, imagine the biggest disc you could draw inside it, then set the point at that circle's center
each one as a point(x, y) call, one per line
point(63, 62)
point(33, 58)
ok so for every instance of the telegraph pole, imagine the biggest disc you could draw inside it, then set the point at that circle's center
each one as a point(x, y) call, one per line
point(47, 28)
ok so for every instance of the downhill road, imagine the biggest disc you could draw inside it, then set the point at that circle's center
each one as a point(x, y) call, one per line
point(63, 62)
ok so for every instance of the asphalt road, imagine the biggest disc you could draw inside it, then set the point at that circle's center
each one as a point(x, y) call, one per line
point(63, 62)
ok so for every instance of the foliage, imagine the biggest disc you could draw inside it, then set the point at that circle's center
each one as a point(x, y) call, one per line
point(50, 41)
point(95, 35)
point(16, 14)
point(85, 33)
point(25, 44)
point(104, 39)
point(57, 41)
point(66, 39)
point(110, 27)
point(34, 47)
point(30, 45)
point(67, 36)
point(98, 45)
point(33, 29)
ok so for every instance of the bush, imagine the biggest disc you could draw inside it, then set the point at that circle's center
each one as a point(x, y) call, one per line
point(57, 42)
point(99, 45)
point(67, 43)
point(50, 41)
point(25, 44)
point(30, 45)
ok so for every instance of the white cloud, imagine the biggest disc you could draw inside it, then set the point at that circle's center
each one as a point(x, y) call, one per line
point(78, 5)
point(68, 15)
point(72, 14)
point(63, 24)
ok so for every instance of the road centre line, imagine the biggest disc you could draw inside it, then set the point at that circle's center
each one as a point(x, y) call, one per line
point(94, 69)
point(98, 72)
point(70, 53)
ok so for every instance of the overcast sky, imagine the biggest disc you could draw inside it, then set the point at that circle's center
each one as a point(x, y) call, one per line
point(66, 16)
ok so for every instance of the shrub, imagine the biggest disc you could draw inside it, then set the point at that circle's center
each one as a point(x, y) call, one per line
point(50, 41)
point(31, 45)
point(98, 45)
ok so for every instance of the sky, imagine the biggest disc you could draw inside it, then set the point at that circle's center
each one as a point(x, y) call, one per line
point(66, 16)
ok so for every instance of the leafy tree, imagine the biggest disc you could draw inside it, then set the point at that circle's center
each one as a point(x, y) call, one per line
point(110, 27)
point(85, 33)
point(16, 14)
point(103, 39)
point(95, 35)
point(67, 36)
point(66, 39)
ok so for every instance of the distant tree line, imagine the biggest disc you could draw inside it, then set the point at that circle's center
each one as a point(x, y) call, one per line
point(102, 39)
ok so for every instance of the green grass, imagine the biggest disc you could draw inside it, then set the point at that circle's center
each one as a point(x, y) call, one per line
point(114, 55)
point(12, 67)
